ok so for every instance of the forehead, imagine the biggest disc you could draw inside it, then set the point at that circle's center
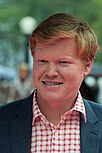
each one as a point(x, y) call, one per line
point(63, 43)
point(58, 49)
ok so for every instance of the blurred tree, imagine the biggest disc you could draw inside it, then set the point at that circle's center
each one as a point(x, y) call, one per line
point(12, 11)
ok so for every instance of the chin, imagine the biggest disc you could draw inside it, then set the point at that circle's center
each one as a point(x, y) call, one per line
point(52, 98)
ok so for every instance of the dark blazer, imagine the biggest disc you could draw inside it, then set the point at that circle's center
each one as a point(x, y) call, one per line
point(16, 127)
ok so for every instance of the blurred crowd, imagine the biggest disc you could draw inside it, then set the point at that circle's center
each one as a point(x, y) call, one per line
point(18, 87)
point(91, 88)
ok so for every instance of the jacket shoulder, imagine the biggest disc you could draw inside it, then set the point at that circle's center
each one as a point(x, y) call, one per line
point(95, 107)
point(7, 110)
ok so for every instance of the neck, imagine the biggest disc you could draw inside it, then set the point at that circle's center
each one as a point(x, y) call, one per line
point(54, 110)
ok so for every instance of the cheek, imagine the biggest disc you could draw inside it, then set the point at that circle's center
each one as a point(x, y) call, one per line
point(35, 76)
point(73, 75)
point(37, 73)
point(67, 72)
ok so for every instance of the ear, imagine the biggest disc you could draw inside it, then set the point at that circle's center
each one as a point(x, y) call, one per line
point(32, 46)
point(88, 67)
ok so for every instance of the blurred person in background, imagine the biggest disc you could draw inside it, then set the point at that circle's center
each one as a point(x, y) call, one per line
point(99, 82)
point(6, 76)
point(3, 90)
point(55, 118)
point(22, 86)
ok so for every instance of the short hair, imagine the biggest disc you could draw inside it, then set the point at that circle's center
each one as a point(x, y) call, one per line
point(23, 66)
point(63, 25)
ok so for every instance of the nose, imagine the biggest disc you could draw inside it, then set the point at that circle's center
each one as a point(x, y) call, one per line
point(52, 70)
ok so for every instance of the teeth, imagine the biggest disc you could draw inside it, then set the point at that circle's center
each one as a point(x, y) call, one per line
point(51, 83)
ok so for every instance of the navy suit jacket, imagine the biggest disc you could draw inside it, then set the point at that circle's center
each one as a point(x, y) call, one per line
point(16, 127)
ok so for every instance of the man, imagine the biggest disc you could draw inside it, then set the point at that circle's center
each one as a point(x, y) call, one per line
point(55, 118)
point(21, 86)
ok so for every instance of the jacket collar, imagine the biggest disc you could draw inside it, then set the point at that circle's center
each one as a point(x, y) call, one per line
point(90, 133)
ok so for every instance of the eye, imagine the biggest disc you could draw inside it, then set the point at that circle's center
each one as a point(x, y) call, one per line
point(42, 61)
point(64, 62)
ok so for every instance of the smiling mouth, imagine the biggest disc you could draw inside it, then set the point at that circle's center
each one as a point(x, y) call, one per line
point(52, 83)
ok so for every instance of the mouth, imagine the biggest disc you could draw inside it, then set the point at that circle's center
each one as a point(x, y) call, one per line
point(51, 84)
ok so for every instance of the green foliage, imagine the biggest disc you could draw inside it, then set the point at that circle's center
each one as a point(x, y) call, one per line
point(12, 11)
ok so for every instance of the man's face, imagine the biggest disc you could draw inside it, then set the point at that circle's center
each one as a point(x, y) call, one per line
point(58, 70)
point(23, 74)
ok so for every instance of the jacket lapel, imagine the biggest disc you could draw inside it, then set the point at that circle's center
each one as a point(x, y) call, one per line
point(90, 134)
point(21, 127)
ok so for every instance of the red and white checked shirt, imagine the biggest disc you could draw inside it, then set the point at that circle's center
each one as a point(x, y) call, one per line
point(65, 138)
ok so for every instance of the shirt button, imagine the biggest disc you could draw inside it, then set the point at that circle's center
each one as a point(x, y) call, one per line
point(56, 134)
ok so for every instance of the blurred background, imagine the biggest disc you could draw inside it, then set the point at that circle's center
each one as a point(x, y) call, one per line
point(18, 19)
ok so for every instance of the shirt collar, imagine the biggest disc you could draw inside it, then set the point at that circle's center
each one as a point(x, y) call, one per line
point(79, 106)
point(36, 110)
